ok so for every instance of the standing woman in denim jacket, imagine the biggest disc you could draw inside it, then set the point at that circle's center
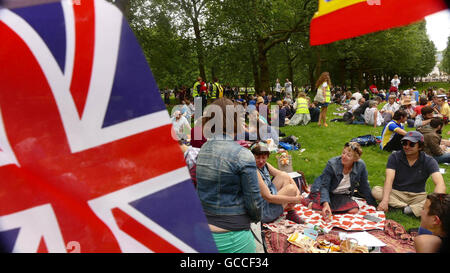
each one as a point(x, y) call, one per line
point(227, 181)
point(333, 190)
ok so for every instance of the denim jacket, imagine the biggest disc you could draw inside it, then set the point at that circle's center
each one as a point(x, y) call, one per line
point(332, 176)
point(227, 182)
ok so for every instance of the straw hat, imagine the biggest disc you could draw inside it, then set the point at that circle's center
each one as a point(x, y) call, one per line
point(260, 100)
point(406, 101)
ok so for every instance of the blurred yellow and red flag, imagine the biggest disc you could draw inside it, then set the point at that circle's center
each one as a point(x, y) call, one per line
point(342, 19)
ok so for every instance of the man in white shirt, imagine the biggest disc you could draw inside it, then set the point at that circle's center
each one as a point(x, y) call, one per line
point(395, 82)
point(357, 95)
point(181, 126)
point(361, 101)
point(390, 108)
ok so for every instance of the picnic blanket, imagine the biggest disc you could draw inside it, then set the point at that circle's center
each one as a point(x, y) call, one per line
point(348, 222)
point(395, 237)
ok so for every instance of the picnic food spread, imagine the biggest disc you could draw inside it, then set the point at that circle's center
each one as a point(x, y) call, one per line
point(335, 245)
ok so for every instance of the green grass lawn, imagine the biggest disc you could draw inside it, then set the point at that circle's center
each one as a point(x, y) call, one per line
point(321, 144)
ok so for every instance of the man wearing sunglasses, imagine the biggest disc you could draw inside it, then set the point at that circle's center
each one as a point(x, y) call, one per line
point(406, 174)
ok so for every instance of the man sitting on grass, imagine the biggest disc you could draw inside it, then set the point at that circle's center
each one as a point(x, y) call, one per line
point(390, 108)
point(435, 219)
point(425, 117)
point(407, 172)
point(393, 132)
point(433, 140)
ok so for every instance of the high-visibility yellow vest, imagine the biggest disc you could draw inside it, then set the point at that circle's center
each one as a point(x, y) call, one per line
point(213, 93)
point(220, 90)
point(217, 90)
point(194, 89)
point(302, 106)
point(328, 94)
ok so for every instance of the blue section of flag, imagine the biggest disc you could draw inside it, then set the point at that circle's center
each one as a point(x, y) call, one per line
point(48, 21)
point(179, 204)
point(134, 92)
point(8, 239)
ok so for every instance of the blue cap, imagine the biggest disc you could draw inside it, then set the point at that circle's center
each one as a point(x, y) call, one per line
point(413, 136)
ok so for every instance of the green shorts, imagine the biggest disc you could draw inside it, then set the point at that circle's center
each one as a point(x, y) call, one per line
point(235, 242)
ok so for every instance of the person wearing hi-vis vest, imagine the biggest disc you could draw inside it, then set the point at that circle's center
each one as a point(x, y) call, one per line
point(216, 90)
point(301, 116)
point(323, 97)
point(199, 90)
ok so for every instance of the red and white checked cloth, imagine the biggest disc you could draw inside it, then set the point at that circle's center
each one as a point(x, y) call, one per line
point(348, 222)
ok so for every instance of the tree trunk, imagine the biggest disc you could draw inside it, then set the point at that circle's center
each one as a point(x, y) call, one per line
point(342, 72)
point(352, 82)
point(311, 69)
point(290, 72)
point(200, 50)
point(263, 65)
point(213, 72)
point(360, 76)
point(254, 63)
point(319, 64)
point(289, 62)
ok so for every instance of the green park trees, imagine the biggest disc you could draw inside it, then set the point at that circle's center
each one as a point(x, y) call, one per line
point(445, 64)
point(251, 43)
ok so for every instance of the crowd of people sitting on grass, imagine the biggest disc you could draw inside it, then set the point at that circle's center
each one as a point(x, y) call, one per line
point(237, 186)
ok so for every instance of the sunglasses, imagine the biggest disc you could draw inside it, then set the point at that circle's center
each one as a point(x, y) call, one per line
point(353, 146)
point(258, 143)
point(405, 142)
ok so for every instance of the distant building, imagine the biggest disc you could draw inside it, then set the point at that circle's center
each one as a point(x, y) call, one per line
point(435, 75)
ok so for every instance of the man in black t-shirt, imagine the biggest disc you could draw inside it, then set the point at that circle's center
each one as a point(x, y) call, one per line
point(407, 172)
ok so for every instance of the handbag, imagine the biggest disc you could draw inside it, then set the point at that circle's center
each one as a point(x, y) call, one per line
point(301, 183)
point(319, 96)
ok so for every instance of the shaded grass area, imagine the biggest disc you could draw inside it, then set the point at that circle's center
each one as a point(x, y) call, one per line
point(322, 144)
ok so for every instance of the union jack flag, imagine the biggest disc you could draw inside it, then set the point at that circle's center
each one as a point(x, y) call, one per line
point(87, 162)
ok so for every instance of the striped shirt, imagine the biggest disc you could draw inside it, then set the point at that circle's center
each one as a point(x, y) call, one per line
point(388, 132)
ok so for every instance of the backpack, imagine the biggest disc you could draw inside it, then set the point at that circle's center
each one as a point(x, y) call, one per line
point(289, 143)
point(287, 146)
point(365, 140)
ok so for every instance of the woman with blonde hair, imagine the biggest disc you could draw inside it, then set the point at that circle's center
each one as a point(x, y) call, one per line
point(332, 191)
point(323, 96)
